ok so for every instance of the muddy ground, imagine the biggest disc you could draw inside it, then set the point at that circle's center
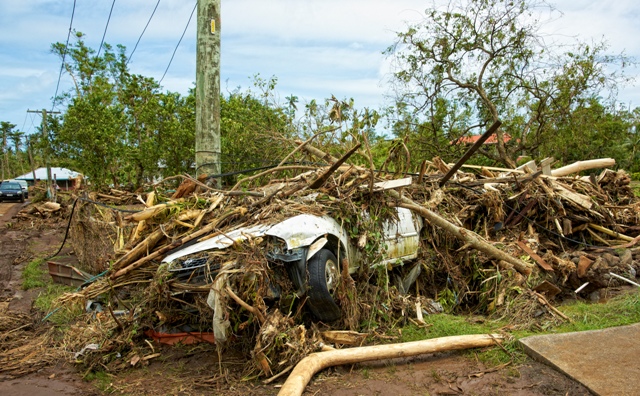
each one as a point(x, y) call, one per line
point(195, 370)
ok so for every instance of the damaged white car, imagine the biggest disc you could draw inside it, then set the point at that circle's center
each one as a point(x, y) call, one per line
point(311, 248)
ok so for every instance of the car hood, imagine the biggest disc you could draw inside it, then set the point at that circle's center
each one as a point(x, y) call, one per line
point(298, 231)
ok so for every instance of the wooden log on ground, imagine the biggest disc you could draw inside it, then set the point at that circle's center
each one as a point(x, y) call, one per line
point(307, 367)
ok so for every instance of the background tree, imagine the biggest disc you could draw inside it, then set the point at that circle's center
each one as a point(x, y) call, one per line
point(484, 60)
point(118, 127)
point(16, 139)
point(7, 130)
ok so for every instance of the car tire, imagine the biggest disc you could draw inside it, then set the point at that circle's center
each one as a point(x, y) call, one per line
point(323, 275)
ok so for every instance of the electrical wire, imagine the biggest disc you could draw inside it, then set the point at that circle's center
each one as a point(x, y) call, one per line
point(73, 209)
point(141, 34)
point(32, 123)
point(64, 54)
point(181, 37)
point(25, 121)
point(105, 28)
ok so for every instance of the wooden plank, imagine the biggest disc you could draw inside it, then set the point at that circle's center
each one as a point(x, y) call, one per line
point(492, 168)
point(545, 165)
point(543, 264)
point(531, 165)
point(578, 199)
point(390, 184)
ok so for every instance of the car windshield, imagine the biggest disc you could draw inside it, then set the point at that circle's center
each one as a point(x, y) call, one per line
point(10, 186)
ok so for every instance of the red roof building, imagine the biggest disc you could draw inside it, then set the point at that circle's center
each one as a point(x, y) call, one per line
point(493, 139)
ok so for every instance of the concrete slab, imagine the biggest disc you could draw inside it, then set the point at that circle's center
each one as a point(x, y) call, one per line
point(606, 361)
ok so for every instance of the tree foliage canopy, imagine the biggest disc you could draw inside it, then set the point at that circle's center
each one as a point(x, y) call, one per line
point(120, 128)
point(476, 61)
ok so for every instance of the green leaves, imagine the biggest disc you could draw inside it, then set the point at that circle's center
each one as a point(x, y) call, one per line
point(119, 128)
point(477, 61)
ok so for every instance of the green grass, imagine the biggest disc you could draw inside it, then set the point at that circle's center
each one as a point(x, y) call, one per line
point(33, 275)
point(60, 316)
point(443, 325)
point(100, 380)
point(619, 311)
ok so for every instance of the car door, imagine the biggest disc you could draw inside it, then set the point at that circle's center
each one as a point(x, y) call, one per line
point(401, 237)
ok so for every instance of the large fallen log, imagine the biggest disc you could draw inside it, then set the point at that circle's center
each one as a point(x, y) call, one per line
point(307, 367)
point(467, 236)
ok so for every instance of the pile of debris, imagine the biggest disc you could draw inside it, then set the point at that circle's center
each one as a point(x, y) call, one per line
point(484, 233)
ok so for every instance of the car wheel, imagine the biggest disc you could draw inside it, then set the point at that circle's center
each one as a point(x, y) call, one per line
point(324, 273)
point(22, 198)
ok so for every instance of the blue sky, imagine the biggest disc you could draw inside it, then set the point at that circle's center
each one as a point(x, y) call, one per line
point(316, 48)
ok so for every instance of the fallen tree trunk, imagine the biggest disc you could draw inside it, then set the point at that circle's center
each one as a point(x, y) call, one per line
point(307, 367)
point(467, 236)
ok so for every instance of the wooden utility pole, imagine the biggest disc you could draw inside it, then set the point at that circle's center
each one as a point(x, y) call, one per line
point(31, 163)
point(208, 88)
point(47, 147)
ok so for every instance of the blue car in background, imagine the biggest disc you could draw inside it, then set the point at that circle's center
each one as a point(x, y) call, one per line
point(12, 191)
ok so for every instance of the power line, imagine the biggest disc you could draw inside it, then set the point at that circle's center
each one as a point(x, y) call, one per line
point(181, 37)
point(105, 28)
point(143, 30)
point(25, 121)
point(64, 54)
point(32, 123)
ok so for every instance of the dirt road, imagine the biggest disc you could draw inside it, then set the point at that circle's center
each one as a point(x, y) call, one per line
point(17, 248)
point(13, 245)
